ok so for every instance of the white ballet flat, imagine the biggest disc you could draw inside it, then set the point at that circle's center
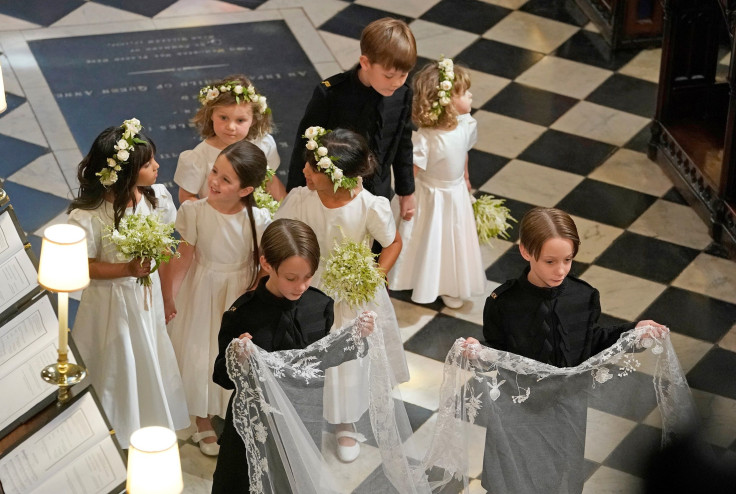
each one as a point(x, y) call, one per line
point(210, 449)
point(452, 302)
point(347, 454)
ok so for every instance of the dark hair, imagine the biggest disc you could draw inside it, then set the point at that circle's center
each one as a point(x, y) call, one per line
point(541, 224)
point(91, 191)
point(249, 164)
point(348, 151)
point(389, 42)
point(285, 238)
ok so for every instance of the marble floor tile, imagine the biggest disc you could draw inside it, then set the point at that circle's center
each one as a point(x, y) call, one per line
point(345, 50)
point(564, 77)
point(95, 13)
point(509, 4)
point(327, 69)
point(348, 476)
point(491, 252)
point(729, 340)
point(195, 485)
point(423, 388)
point(409, 8)
point(198, 7)
point(633, 170)
point(531, 183)
point(23, 125)
point(711, 276)
point(309, 39)
point(215, 19)
point(411, 317)
point(436, 40)
point(475, 487)
point(318, 11)
point(485, 86)
point(53, 124)
point(10, 81)
point(195, 463)
point(472, 309)
point(531, 32)
point(591, 27)
point(607, 480)
point(504, 136)
point(68, 161)
point(8, 23)
point(719, 417)
point(689, 350)
point(141, 24)
point(604, 433)
point(44, 174)
point(622, 295)
point(645, 65)
point(595, 237)
point(600, 123)
point(674, 223)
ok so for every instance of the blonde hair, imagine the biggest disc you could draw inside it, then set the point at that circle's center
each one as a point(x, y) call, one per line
point(262, 123)
point(541, 224)
point(425, 85)
point(390, 43)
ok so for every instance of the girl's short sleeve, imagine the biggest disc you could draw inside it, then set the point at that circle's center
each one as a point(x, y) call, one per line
point(92, 227)
point(380, 224)
point(186, 221)
point(268, 145)
point(191, 172)
point(472, 133)
point(291, 205)
point(165, 206)
point(421, 148)
point(263, 219)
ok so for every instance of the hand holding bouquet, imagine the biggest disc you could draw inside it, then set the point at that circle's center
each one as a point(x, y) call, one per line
point(351, 273)
point(491, 218)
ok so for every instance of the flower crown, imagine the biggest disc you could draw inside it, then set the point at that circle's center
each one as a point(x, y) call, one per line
point(123, 148)
point(210, 93)
point(444, 89)
point(327, 163)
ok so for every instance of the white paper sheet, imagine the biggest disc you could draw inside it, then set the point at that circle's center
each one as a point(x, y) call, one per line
point(18, 277)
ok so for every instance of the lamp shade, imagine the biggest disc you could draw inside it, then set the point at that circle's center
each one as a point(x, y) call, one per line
point(64, 266)
point(3, 102)
point(154, 466)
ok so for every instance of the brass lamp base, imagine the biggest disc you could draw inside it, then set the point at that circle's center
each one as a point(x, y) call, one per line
point(64, 374)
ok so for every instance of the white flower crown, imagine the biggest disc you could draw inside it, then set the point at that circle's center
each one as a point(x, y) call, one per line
point(210, 93)
point(444, 89)
point(123, 148)
point(327, 163)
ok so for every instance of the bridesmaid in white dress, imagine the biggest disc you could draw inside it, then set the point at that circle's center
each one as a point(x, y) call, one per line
point(335, 204)
point(126, 348)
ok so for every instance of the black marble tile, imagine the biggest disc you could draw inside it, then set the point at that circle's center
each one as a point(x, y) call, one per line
point(714, 373)
point(376, 482)
point(421, 62)
point(646, 257)
point(405, 296)
point(482, 166)
point(417, 415)
point(608, 320)
point(578, 268)
point(633, 453)
point(634, 408)
point(16, 154)
point(606, 203)
point(149, 8)
point(640, 142)
point(692, 314)
point(40, 11)
point(517, 208)
point(351, 20)
point(13, 102)
point(530, 104)
point(627, 94)
point(507, 267)
point(436, 338)
point(590, 467)
point(559, 10)
point(590, 48)
point(674, 196)
point(468, 15)
point(567, 152)
point(248, 4)
point(497, 58)
point(33, 207)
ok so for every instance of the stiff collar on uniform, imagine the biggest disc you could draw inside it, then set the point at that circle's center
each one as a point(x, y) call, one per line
point(269, 298)
point(542, 292)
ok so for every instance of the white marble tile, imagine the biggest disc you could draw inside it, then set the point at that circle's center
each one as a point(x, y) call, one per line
point(509, 4)
point(8, 23)
point(195, 485)
point(23, 125)
point(689, 350)
point(327, 69)
point(95, 13)
point(562, 76)
point(409, 8)
point(498, 247)
point(633, 170)
point(198, 7)
point(53, 124)
point(109, 27)
point(504, 136)
point(348, 476)
point(216, 19)
point(674, 223)
point(307, 36)
point(594, 238)
point(195, 463)
point(726, 60)
point(475, 487)
point(718, 414)
point(21, 60)
point(68, 161)
point(346, 51)
point(411, 317)
point(423, 388)
point(472, 309)
point(485, 86)
point(600, 123)
point(435, 40)
point(57, 220)
point(43, 174)
point(604, 432)
point(531, 32)
point(320, 11)
point(622, 295)
point(654, 419)
point(607, 480)
point(530, 183)
point(729, 340)
point(10, 81)
point(711, 276)
point(645, 65)
point(591, 27)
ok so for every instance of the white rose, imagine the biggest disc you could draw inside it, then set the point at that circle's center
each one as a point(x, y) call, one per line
point(238, 89)
point(325, 162)
point(441, 94)
point(111, 163)
point(450, 75)
point(117, 168)
point(311, 132)
point(262, 108)
point(121, 144)
point(446, 64)
point(251, 90)
point(322, 151)
point(337, 174)
point(212, 94)
point(262, 100)
point(435, 104)
point(223, 89)
point(123, 155)
point(446, 85)
point(444, 101)
point(311, 145)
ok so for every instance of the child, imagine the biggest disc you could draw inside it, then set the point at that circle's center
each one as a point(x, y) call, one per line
point(374, 100)
point(441, 254)
point(290, 256)
point(335, 205)
point(127, 350)
point(231, 111)
point(219, 261)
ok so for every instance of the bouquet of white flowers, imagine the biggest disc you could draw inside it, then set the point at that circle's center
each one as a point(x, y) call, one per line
point(351, 273)
point(263, 198)
point(491, 218)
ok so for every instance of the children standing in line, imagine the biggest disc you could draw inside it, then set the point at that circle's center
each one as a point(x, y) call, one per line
point(441, 254)
point(374, 100)
point(335, 205)
point(126, 348)
point(219, 261)
point(232, 110)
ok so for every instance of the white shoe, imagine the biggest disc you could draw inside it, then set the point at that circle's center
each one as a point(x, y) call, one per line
point(452, 302)
point(210, 449)
point(347, 454)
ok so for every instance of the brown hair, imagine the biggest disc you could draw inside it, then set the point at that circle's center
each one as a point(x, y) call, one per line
point(285, 238)
point(541, 224)
point(389, 42)
point(425, 84)
point(249, 164)
point(262, 123)
point(348, 151)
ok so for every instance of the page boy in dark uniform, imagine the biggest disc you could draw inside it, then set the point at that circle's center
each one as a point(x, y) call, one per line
point(373, 100)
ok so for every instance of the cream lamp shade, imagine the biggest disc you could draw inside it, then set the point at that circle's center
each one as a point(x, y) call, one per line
point(3, 102)
point(154, 466)
point(63, 266)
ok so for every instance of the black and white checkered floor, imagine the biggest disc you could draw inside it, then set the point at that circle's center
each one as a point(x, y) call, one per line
point(562, 122)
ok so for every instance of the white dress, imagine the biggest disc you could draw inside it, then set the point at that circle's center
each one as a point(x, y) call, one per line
point(441, 254)
point(220, 272)
point(126, 349)
point(195, 164)
point(366, 215)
